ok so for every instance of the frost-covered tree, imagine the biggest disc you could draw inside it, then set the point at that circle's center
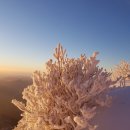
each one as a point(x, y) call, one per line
point(66, 96)
point(121, 71)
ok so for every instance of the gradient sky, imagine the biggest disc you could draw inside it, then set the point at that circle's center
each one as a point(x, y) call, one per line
point(31, 29)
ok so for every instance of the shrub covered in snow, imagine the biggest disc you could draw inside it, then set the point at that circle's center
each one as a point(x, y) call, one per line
point(122, 72)
point(66, 96)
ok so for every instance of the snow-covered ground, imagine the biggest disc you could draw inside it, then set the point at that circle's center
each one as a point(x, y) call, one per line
point(117, 117)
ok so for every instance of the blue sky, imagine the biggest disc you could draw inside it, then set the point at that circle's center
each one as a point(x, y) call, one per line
point(31, 29)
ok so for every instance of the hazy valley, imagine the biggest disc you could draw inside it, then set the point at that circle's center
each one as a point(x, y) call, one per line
point(11, 87)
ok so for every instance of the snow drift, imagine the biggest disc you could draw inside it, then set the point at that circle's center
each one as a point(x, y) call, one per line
point(117, 117)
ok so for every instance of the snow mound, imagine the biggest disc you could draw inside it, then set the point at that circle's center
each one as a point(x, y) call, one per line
point(117, 117)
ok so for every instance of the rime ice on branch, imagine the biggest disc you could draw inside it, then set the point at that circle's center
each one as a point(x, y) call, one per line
point(66, 96)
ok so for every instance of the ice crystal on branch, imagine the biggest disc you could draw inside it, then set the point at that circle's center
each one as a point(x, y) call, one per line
point(66, 96)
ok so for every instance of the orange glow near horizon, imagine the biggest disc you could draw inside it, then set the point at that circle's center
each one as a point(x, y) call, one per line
point(8, 69)
point(4, 69)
